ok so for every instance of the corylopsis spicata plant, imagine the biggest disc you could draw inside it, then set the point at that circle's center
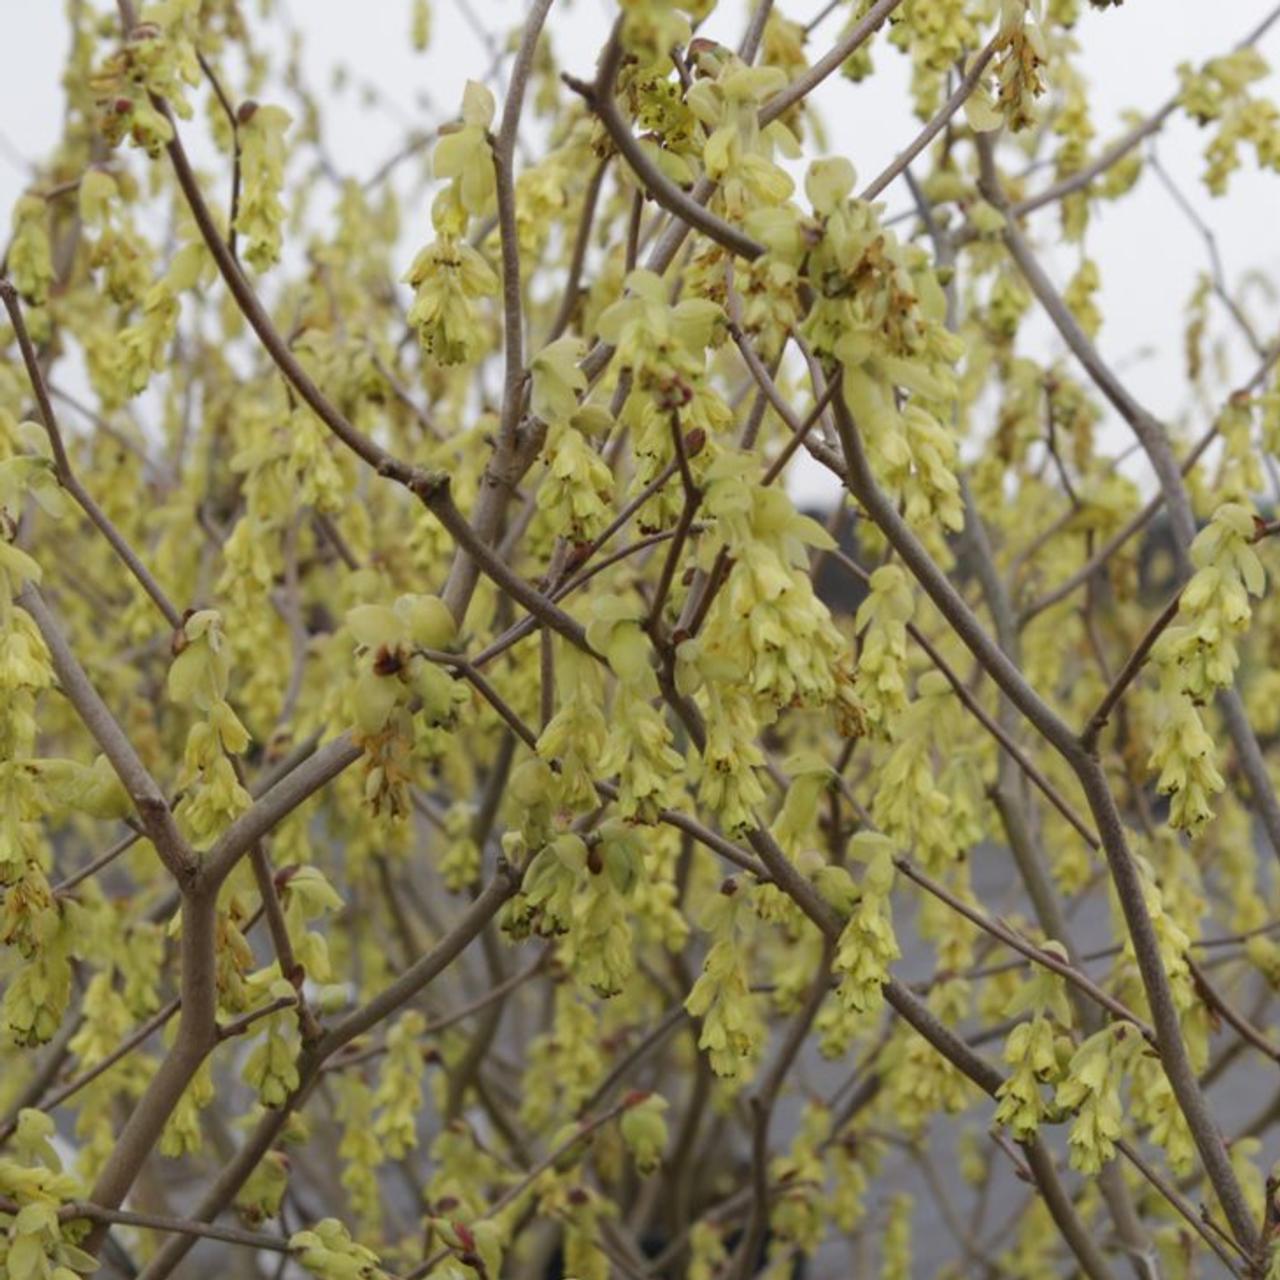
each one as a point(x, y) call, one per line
point(444, 829)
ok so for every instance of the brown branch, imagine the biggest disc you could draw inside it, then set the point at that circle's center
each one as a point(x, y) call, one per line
point(434, 491)
point(290, 969)
point(976, 709)
point(1104, 553)
point(382, 461)
point(482, 686)
point(117, 850)
point(1175, 1198)
point(569, 299)
point(1172, 1048)
point(122, 1050)
point(600, 98)
point(67, 477)
point(238, 1168)
point(504, 173)
point(959, 97)
point(1037, 955)
point(1154, 440)
point(511, 456)
point(275, 804)
point(196, 1036)
point(1126, 142)
point(805, 83)
point(692, 501)
point(1129, 672)
point(1222, 1006)
point(239, 1026)
point(153, 810)
point(342, 1061)
point(86, 1209)
point(762, 1104)
point(234, 121)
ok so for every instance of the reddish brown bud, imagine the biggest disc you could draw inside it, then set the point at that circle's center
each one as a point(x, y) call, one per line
point(388, 662)
point(284, 875)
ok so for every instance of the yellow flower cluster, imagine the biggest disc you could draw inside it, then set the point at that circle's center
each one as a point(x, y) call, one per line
point(1197, 656)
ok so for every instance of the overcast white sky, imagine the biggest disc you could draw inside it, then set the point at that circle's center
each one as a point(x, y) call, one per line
point(1149, 254)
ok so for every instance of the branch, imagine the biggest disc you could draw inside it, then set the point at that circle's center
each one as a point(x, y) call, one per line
point(445, 1021)
point(1172, 1195)
point(1126, 142)
point(600, 98)
point(1117, 540)
point(1037, 955)
point(1124, 873)
point(1172, 1048)
point(1129, 672)
point(976, 709)
point(569, 299)
point(383, 462)
point(311, 1065)
point(196, 1036)
point(1155, 443)
point(504, 173)
point(80, 1209)
point(121, 847)
point(1065, 1218)
point(122, 1050)
point(282, 944)
point(234, 122)
point(238, 1026)
point(805, 83)
point(823, 453)
point(153, 810)
point(692, 501)
point(1219, 1003)
point(276, 804)
point(529, 624)
point(701, 833)
point(468, 671)
point(505, 882)
point(1216, 274)
point(862, 485)
point(935, 126)
point(762, 1105)
point(434, 491)
point(63, 470)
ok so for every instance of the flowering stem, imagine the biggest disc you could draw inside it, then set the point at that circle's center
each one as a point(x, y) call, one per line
point(969, 82)
point(1129, 672)
point(234, 1173)
point(835, 57)
point(1037, 955)
point(600, 97)
point(1154, 439)
point(62, 464)
point(153, 810)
